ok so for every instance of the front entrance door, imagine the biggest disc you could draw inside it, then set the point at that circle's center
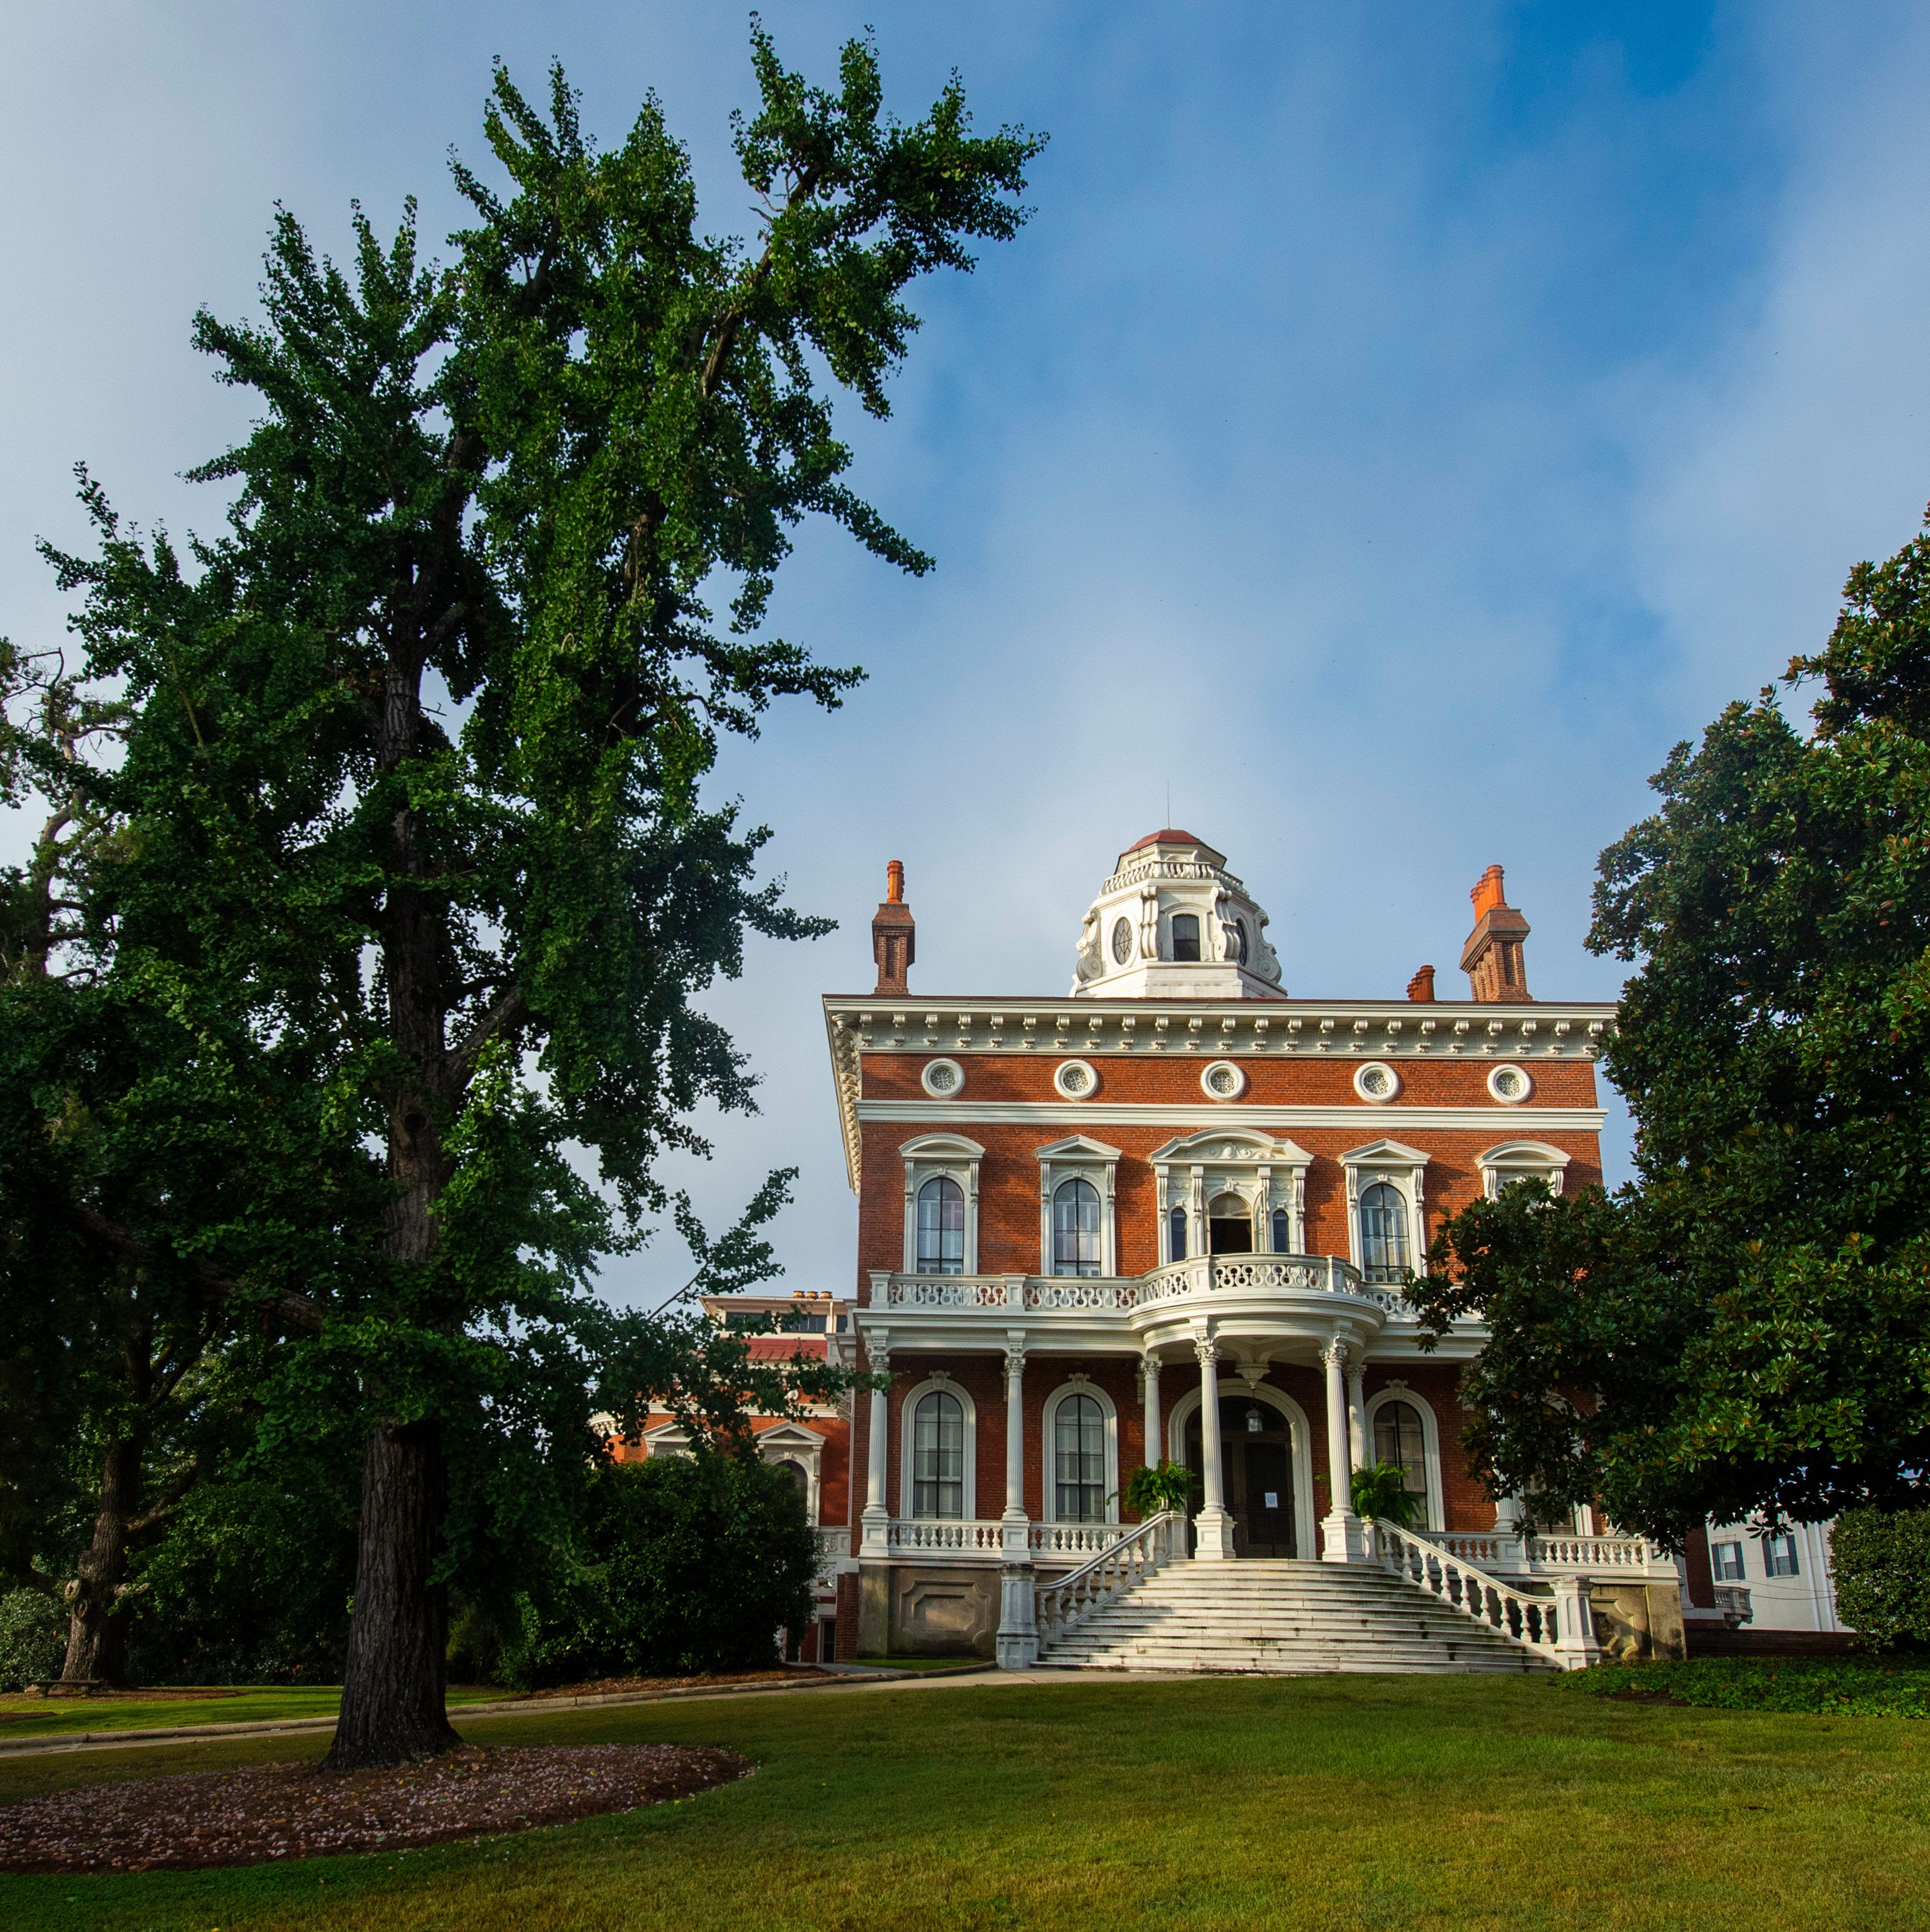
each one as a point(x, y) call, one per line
point(1256, 1475)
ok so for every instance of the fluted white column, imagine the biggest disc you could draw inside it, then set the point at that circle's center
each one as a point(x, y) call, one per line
point(875, 1539)
point(1341, 1538)
point(1357, 1415)
point(1018, 1644)
point(1150, 1365)
point(1214, 1526)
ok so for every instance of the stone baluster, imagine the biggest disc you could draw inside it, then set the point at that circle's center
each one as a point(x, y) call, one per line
point(875, 1539)
point(1343, 1540)
point(1018, 1596)
point(1214, 1526)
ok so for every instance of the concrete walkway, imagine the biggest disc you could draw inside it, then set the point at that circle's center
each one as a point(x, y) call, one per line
point(849, 1679)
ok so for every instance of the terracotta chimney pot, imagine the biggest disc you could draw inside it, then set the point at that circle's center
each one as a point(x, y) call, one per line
point(894, 935)
point(1421, 986)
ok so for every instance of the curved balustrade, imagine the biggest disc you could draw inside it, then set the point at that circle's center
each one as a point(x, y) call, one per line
point(1129, 1560)
point(1199, 1277)
point(1559, 1628)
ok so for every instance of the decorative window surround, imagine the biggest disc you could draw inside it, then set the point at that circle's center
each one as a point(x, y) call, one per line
point(1223, 1081)
point(1265, 1173)
point(956, 1158)
point(789, 1442)
point(1521, 1160)
point(1508, 1085)
point(1431, 1441)
point(1076, 1079)
point(1077, 1157)
point(907, 1445)
point(1376, 1083)
point(943, 1079)
point(1079, 1385)
point(1405, 1168)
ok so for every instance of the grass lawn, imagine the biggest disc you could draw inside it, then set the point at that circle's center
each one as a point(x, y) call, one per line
point(1414, 1803)
point(21, 1717)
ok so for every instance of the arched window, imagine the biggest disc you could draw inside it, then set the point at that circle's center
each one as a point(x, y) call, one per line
point(1240, 927)
point(1229, 1227)
point(938, 1456)
point(1383, 1232)
point(1079, 1460)
point(1176, 1234)
point(1398, 1438)
point(941, 1227)
point(1075, 1228)
point(799, 1475)
point(1186, 935)
point(1283, 1230)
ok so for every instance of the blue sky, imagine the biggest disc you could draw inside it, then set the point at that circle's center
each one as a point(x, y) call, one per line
point(1397, 428)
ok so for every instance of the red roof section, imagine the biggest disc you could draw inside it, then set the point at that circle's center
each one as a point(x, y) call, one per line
point(782, 1348)
point(1172, 835)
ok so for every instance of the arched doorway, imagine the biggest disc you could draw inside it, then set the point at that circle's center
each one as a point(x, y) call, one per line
point(1229, 1225)
point(1256, 1474)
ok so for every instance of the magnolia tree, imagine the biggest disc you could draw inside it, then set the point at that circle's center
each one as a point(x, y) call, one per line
point(1745, 1329)
point(408, 789)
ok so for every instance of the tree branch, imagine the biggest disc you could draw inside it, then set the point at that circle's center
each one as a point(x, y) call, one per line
point(504, 1016)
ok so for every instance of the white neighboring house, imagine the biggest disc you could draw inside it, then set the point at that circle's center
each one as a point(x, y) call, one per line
point(1786, 1576)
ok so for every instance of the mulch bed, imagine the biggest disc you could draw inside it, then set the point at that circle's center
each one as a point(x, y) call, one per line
point(605, 1687)
point(260, 1813)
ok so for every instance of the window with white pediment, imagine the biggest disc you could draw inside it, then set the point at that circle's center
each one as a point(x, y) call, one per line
point(1387, 1225)
point(1230, 1191)
point(1521, 1160)
point(1078, 1178)
point(941, 1205)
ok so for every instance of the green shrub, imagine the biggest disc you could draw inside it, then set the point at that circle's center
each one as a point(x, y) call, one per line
point(1381, 1490)
point(1150, 1492)
point(1881, 1561)
point(1826, 1686)
point(686, 1565)
point(33, 1638)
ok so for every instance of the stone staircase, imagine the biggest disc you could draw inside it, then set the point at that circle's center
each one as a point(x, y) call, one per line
point(1285, 1617)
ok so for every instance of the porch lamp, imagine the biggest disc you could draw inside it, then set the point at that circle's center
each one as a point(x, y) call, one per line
point(1255, 1422)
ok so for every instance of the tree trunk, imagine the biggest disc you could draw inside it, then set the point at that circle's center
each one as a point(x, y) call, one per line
point(392, 1691)
point(97, 1639)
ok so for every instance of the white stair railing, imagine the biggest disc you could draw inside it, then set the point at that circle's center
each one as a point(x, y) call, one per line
point(1560, 1628)
point(1131, 1560)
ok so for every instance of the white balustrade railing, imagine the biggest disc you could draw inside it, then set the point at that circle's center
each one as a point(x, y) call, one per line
point(1049, 1542)
point(833, 1546)
point(1733, 1601)
point(1200, 1277)
point(1559, 1628)
point(1507, 1553)
point(1130, 1559)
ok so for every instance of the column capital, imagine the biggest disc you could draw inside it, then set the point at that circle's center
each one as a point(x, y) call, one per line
point(1335, 1354)
point(1150, 1366)
point(877, 1351)
point(1206, 1349)
point(1015, 1351)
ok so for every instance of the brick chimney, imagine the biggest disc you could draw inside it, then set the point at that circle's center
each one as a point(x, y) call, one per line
point(1491, 958)
point(1421, 986)
point(894, 937)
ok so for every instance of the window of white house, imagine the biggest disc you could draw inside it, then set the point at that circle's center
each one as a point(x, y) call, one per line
point(938, 1456)
point(1383, 1232)
point(1283, 1232)
point(1176, 1234)
point(1779, 1555)
point(799, 1475)
point(1076, 1228)
point(1229, 1226)
point(1240, 939)
point(1398, 1438)
point(1186, 935)
point(1725, 1559)
point(942, 1226)
point(1079, 1459)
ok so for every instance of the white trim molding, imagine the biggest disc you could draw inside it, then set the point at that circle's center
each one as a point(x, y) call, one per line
point(1265, 1173)
point(1521, 1160)
point(1048, 1446)
point(1431, 1442)
point(952, 1157)
point(1405, 1168)
point(937, 1381)
point(1077, 1157)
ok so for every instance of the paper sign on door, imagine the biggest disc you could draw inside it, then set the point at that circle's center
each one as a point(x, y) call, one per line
point(1273, 1499)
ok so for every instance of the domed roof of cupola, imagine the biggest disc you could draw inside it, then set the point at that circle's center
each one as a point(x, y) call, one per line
point(1171, 923)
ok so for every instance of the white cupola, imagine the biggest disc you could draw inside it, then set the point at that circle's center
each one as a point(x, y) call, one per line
point(1173, 923)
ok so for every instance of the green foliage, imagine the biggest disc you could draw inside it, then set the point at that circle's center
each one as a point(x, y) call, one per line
point(1880, 1560)
point(684, 1564)
point(1744, 1331)
point(1380, 1491)
point(33, 1638)
point(1169, 1486)
point(1829, 1686)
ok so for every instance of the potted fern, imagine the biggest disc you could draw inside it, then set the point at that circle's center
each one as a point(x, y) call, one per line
point(1380, 1493)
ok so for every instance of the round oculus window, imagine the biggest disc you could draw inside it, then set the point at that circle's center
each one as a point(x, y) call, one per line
point(1076, 1079)
point(1376, 1082)
point(1223, 1081)
point(1510, 1085)
point(942, 1078)
point(1122, 941)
